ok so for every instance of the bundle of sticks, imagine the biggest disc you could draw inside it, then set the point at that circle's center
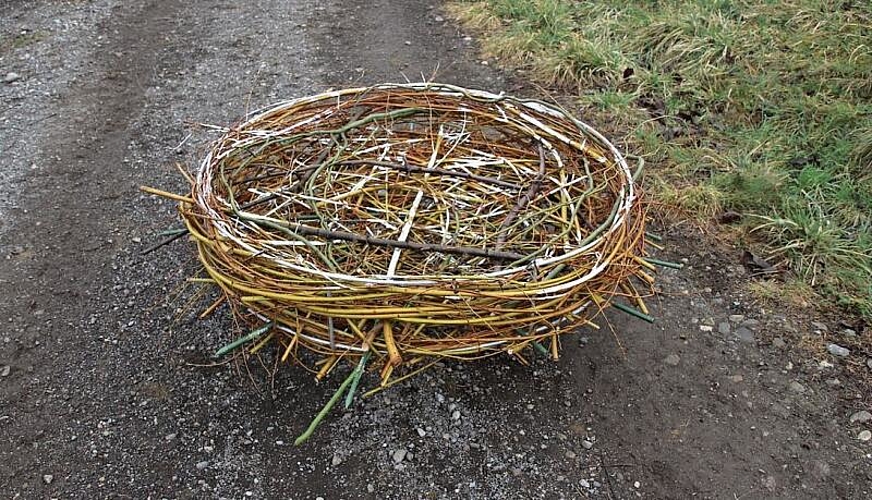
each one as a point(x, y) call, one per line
point(400, 224)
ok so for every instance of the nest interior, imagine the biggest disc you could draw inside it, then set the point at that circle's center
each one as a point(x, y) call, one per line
point(417, 221)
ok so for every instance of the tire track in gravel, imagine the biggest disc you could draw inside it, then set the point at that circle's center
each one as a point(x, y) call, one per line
point(68, 224)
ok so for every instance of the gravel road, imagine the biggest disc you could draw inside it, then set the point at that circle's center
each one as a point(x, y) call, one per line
point(106, 387)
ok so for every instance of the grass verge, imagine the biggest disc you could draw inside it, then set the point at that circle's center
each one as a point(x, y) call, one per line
point(760, 107)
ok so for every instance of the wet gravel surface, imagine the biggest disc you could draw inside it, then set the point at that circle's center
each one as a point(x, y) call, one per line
point(106, 385)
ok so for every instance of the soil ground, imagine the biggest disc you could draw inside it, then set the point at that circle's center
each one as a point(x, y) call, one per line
point(102, 394)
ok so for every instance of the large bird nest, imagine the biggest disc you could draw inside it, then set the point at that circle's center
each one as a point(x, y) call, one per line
point(409, 223)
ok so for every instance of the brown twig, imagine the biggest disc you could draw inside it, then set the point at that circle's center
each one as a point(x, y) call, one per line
point(382, 242)
point(522, 201)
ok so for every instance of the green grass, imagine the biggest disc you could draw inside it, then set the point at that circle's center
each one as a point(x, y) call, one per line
point(21, 40)
point(763, 107)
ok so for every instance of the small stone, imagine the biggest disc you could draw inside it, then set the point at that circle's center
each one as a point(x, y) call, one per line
point(869, 363)
point(820, 326)
point(865, 435)
point(456, 415)
point(744, 334)
point(837, 350)
point(833, 382)
point(769, 483)
point(750, 323)
point(737, 379)
point(861, 417)
point(47, 478)
point(797, 387)
point(849, 332)
point(11, 77)
point(584, 483)
point(421, 432)
point(202, 465)
point(778, 343)
point(407, 42)
point(398, 455)
point(370, 488)
point(724, 328)
point(137, 239)
point(171, 436)
point(438, 19)
point(586, 444)
point(706, 328)
point(736, 318)
point(636, 485)
point(570, 455)
point(5, 371)
point(337, 459)
point(672, 360)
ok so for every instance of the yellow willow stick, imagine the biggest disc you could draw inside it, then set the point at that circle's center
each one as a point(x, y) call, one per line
point(394, 358)
point(291, 345)
point(166, 194)
point(400, 379)
point(209, 310)
point(644, 263)
point(262, 343)
point(325, 368)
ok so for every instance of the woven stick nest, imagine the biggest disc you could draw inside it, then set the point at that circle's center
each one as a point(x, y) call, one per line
point(413, 222)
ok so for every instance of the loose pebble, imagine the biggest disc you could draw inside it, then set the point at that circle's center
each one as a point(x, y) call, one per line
point(47, 478)
point(865, 435)
point(744, 334)
point(399, 455)
point(724, 328)
point(202, 465)
point(586, 444)
point(837, 350)
point(797, 387)
point(861, 417)
point(11, 77)
point(672, 360)
point(421, 432)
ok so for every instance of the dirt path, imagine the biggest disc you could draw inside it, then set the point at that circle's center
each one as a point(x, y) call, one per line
point(100, 400)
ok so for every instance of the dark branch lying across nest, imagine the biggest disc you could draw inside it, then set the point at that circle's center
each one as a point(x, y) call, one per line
point(418, 221)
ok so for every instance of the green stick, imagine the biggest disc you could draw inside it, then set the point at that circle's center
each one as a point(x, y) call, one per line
point(664, 263)
point(242, 340)
point(633, 312)
point(358, 371)
point(324, 411)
